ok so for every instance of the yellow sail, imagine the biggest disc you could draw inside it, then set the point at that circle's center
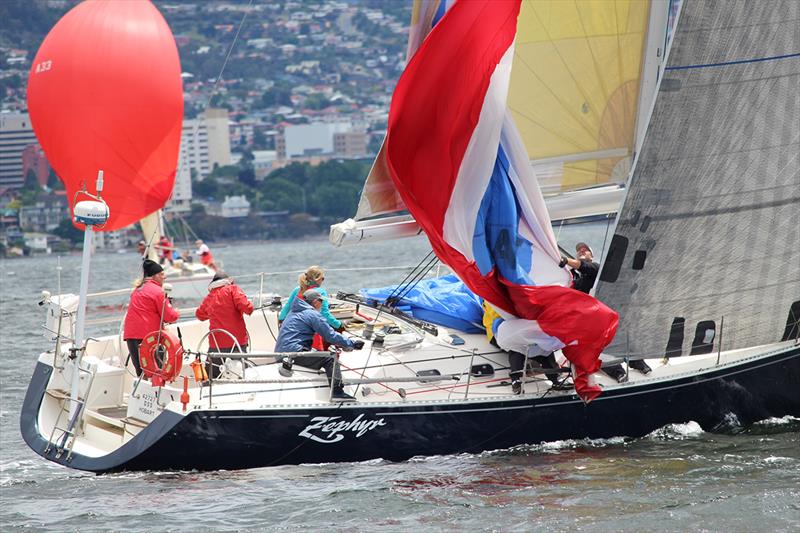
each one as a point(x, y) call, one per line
point(575, 87)
point(574, 92)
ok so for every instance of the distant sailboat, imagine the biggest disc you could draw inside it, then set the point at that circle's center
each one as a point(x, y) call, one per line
point(726, 113)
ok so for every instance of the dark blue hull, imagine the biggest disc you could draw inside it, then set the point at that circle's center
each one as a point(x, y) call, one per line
point(750, 391)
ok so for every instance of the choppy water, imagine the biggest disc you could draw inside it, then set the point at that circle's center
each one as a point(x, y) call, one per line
point(677, 479)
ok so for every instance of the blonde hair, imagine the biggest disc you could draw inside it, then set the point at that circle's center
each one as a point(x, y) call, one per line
point(312, 276)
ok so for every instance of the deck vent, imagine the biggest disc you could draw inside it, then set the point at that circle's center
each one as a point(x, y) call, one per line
point(675, 342)
point(792, 330)
point(638, 259)
point(482, 370)
point(614, 259)
point(428, 374)
point(704, 337)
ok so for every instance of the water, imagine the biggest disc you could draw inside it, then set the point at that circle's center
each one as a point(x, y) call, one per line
point(677, 479)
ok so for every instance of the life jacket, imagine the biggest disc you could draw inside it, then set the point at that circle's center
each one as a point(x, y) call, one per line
point(489, 317)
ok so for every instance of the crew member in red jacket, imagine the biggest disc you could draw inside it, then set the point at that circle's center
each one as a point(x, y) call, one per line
point(148, 302)
point(223, 307)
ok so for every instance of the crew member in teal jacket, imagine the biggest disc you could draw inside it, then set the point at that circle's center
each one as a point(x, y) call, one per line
point(312, 279)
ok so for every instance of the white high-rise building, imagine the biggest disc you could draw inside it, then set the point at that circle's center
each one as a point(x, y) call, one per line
point(181, 199)
point(309, 139)
point(16, 134)
point(219, 137)
point(205, 143)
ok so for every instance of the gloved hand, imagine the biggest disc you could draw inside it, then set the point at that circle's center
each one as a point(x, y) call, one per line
point(357, 345)
point(563, 262)
point(341, 328)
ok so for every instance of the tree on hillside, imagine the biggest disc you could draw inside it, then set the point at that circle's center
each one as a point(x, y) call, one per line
point(31, 182)
point(229, 171)
point(294, 173)
point(260, 141)
point(207, 188)
point(30, 188)
point(277, 95)
point(53, 182)
point(247, 176)
point(280, 194)
point(67, 231)
point(337, 200)
point(316, 101)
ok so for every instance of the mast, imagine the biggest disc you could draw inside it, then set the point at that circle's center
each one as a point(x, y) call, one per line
point(90, 213)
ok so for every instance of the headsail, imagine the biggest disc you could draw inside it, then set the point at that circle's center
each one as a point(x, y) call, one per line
point(105, 93)
point(575, 88)
point(457, 160)
point(574, 92)
point(707, 247)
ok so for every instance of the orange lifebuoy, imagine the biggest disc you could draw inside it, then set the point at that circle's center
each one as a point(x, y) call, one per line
point(161, 357)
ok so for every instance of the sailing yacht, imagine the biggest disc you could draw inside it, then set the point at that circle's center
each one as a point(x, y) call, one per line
point(691, 270)
point(187, 280)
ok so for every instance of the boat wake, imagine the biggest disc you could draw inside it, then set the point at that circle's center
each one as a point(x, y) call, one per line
point(688, 430)
point(772, 425)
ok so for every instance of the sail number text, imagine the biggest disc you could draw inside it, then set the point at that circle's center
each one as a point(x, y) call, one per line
point(44, 66)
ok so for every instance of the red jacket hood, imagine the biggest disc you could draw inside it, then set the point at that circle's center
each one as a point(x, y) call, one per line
point(223, 307)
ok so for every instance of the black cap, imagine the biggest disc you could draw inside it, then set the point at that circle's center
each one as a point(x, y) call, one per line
point(151, 268)
point(219, 275)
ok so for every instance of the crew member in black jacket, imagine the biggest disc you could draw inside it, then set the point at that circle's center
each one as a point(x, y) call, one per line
point(584, 274)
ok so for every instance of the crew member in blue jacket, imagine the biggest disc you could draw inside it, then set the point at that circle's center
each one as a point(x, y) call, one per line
point(297, 334)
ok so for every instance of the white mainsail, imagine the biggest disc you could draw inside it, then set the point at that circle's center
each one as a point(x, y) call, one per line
point(706, 252)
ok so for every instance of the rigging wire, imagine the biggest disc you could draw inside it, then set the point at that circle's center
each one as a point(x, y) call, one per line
point(417, 278)
point(394, 292)
point(211, 96)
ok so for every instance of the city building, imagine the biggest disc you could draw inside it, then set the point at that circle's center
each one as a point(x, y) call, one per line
point(205, 144)
point(235, 207)
point(305, 140)
point(219, 143)
point(117, 240)
point(350, 144)
point(181, 199)
point(45, 215)
point(264, 162)
point(38, 242)
point(16, 135)
point(33, 159)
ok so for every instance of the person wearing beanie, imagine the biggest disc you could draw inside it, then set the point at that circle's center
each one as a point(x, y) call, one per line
point(148, 306)
point(224, 307)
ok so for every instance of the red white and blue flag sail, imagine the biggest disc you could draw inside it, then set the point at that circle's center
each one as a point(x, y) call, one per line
point(459, 164)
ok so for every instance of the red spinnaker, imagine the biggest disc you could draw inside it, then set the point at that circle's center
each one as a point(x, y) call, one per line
point(105, 93)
